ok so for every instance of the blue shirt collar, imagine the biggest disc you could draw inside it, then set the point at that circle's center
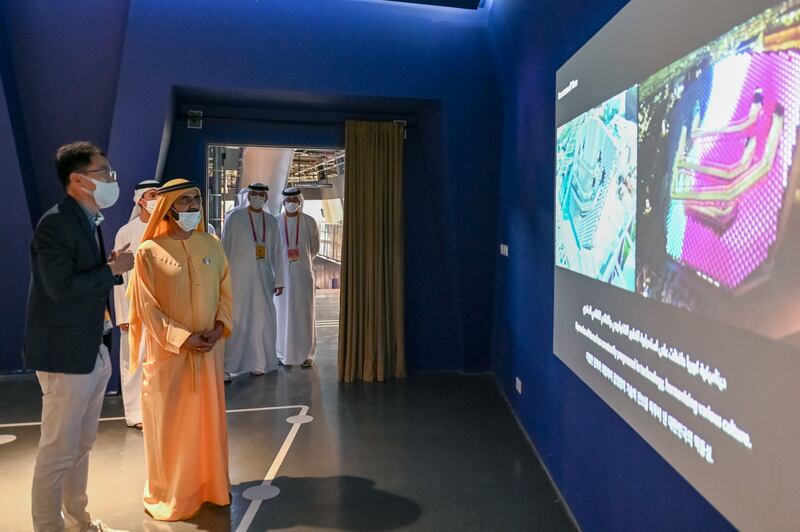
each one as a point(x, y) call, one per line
point(94, 219)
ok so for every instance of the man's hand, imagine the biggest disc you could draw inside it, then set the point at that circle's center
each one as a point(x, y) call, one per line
point(121, 261)
point(197, 343)
point(124, 327)
point(278, 290)
point(213, 336)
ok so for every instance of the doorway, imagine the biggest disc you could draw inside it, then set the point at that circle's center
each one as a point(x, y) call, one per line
point(320, 176)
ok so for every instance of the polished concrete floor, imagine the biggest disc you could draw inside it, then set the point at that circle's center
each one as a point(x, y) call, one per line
point(438, 452)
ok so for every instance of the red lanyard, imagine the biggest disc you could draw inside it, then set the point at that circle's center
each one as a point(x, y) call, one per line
point(296, 233)
point(263, 226)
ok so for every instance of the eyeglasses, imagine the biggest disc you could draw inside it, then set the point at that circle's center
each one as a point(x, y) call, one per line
point(108, 171)
point(187, 202)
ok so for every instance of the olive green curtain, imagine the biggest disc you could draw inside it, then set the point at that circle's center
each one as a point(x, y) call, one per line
point(372, 322)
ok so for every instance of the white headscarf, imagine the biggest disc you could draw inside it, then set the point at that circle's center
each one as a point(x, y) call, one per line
point(241, 200)
point(256, 187)
point(292, 192)
point(241, 203)
point(139, 191)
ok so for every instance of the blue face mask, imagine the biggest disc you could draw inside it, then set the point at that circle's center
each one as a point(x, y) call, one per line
point(188, 221)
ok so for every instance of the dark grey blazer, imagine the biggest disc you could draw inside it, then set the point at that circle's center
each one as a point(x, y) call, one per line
point(69, 293)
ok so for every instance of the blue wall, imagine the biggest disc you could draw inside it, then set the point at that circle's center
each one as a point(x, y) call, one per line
point(609, 476)
point(60, 63)
point(321, 52)
point(66, 62)
point(15, 221)
point(120, 85)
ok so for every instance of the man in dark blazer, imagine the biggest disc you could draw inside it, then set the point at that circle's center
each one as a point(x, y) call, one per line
point(67, 336)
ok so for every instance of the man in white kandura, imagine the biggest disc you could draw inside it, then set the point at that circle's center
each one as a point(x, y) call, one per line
point(297, 336)
point(252, 243)
point(130, 235)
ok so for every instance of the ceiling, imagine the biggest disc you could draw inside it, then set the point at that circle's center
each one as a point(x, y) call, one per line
point(312, 165)
point(464, 4)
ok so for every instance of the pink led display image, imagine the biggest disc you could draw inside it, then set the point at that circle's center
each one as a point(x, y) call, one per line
point(730, 172)
point(718, 174)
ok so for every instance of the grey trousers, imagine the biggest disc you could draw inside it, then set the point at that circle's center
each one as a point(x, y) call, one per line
point(71, 407)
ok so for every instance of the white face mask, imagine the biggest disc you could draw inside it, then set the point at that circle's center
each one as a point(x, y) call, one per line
point(105, 194)
point(150, 205)
point(257, 202)
point(188, 221)
point(291, 207)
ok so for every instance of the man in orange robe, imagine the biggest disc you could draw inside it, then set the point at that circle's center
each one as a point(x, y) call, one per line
point(181, 310)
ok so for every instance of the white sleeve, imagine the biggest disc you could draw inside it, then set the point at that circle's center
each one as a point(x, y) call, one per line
point(121, 304)
point(278, 255)
point(226, 239)
point(314, 239)
point(227, 236)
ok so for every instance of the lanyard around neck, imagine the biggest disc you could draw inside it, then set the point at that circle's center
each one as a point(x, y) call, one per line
point(296, 233)
point(263, 226)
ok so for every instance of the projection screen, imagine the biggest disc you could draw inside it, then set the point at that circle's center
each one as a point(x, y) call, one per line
point(677, 233)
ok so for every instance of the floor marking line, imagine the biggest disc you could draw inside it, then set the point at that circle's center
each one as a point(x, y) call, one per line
point(252, 510)
point(247, 519)
point(263, 408)
point(234, 411)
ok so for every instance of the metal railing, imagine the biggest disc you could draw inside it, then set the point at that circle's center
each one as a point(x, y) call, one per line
point(330, 242)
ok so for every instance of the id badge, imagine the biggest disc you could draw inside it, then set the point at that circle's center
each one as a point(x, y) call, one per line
point(294, 255)
point(261, 252)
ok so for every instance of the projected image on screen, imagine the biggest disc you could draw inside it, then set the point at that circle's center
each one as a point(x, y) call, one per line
point(718, 140)
point(596, 187)
point(699, 164)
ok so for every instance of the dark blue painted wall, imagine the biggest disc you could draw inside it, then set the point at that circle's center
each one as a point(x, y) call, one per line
point(66, 63)
point(16, 223)
point(610, 477)
point(120, 84)
point(323, 51)
point(60, 63)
